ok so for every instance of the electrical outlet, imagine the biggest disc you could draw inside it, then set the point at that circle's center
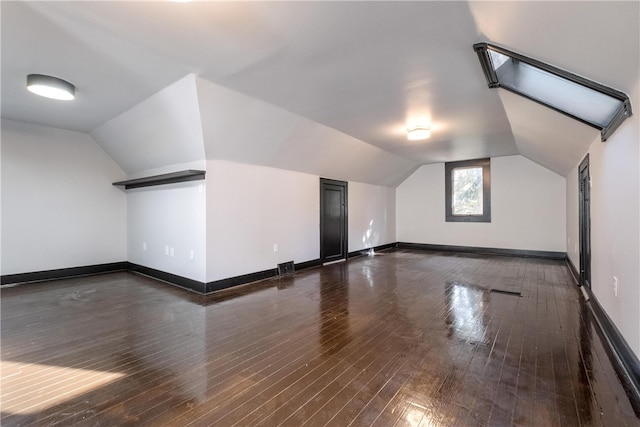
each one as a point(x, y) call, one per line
point(615, 286)
point(275, 247)
point(166, 250)
point(144, 246)
point(172, 252)
point(191, 255)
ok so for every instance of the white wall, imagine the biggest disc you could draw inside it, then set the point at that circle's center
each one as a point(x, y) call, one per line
point(250, 208)
point(615, 224)
point(59, 209)
point(372, 216)
point(528, 205)
point(172, 216)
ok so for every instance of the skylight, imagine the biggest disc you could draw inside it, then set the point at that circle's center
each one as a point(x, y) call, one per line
point(597, 105)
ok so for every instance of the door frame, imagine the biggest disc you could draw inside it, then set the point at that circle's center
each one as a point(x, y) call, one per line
point(584, 221)
point(344, 214)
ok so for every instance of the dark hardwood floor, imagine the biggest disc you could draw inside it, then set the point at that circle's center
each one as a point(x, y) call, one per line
point(400, 338)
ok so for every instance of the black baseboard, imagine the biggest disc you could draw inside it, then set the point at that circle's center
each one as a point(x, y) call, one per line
point(622, 357)
point(308, 264)
point(573, 270)
point(218, 285)
point(375, 249)
point(173, 279)
point(62, 273)
point(479, 250)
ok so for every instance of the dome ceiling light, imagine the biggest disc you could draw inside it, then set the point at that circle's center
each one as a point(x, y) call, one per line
point(418, 133)
point(51, 87)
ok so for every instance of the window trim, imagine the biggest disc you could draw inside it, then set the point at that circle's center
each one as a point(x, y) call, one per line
point(486, 190)
point(623, 112)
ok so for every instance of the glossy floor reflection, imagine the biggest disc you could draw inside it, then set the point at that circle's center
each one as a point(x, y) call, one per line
point(401, 338)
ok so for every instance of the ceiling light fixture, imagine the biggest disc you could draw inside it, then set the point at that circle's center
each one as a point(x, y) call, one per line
point(418, 132)
point(51, 87)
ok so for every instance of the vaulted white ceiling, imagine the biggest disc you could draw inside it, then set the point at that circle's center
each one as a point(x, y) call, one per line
point(323, 87)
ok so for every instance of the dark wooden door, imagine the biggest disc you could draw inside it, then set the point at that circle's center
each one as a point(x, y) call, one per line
point(585, 222)
point(333, 220)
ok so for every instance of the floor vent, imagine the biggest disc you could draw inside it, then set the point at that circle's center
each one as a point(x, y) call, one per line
point(500, 291)
point(286, 268)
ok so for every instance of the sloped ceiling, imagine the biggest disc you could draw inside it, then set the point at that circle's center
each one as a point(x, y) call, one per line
point(162, 130)
point(310, 82)
point(548, 138)
point(266, 135)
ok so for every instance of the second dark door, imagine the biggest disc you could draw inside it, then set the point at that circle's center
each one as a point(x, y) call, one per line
point(333, 220)
point(585, 222)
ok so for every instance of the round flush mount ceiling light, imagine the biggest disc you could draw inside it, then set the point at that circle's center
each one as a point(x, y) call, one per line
point(51, 87)
point(418, 132)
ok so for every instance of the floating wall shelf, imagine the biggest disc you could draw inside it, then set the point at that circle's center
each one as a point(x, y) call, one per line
point(166, 178)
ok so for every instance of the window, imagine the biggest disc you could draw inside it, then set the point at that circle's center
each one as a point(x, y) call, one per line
point(591, 103)
point(468, 191)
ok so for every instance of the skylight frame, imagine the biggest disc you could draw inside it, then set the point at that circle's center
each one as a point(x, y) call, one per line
point(622, 112)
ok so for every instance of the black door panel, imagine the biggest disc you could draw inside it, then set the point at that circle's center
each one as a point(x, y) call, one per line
point(333, 220)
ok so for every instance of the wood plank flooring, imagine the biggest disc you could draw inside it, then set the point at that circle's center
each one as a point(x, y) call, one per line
point(403, 338)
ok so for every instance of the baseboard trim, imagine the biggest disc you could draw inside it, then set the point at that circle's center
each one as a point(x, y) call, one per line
point(622, 357)
point(573, 270)
point(62, 273)
point(172, 279)
point(480, 250)
point(308, 264)
point(218, 285)
point(364, 252)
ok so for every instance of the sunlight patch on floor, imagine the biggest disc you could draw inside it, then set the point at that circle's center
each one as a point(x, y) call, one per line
point(29, 388)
